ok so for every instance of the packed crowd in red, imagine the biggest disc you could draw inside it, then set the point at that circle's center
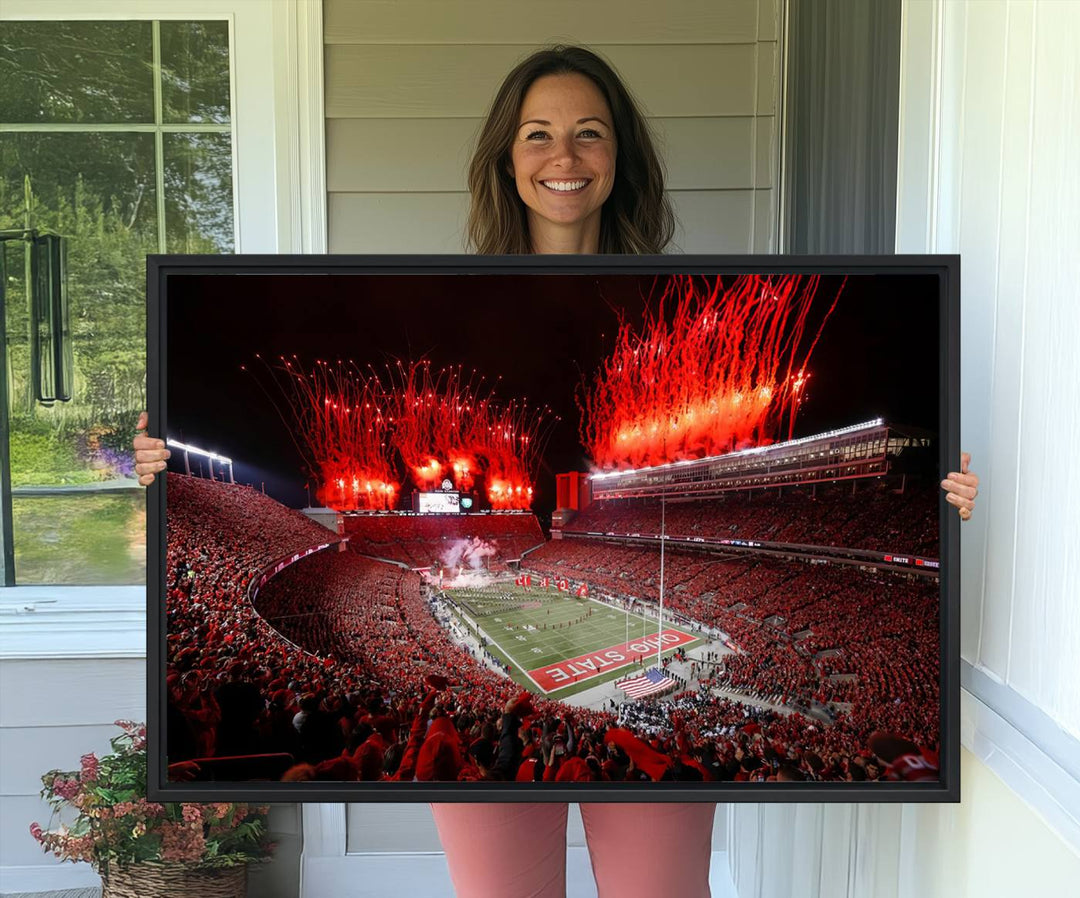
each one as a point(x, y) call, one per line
point(425, 541)
point(806, 633)
point(876, 517)
point(341, 669)
point(347, 633)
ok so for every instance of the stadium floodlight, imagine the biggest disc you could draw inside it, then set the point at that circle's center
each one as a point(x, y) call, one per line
point(187, 449)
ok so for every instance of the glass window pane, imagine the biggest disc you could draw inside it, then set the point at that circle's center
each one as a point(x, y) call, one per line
point(195, 72)
point(103, 174)
point(81, 540)
point(79, 517)
point(98, 191)
point(76, 72)
point(198, 193)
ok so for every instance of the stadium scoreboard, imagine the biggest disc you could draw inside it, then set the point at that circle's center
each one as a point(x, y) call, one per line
point(437, 502)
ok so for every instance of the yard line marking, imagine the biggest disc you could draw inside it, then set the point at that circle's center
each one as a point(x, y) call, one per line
point(518, 666)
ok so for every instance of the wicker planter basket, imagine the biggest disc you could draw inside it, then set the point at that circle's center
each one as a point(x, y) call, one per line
point(174, 881)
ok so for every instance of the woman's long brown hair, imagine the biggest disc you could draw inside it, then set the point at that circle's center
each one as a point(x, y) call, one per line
point(637, 216)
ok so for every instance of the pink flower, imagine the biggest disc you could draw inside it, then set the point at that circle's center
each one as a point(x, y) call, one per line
point(65, 788)
point(150, 808)
point(192, 813)
point(89, 768)
point(36, 831)
point(181, 842)
point(68, 847)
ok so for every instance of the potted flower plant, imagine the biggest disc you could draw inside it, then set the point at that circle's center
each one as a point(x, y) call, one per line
point(143, 848)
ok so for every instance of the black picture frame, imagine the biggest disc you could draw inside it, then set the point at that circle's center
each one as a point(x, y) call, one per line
point(946, 268)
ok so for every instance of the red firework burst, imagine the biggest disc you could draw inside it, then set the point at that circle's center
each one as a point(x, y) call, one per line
point(353, 426)
point(339, 421)
point(449, 426)
point(719, 372)
point(510, 440)
point(432, 415)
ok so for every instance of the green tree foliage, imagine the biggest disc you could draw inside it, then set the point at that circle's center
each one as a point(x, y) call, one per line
point(76, 72)
point(99, 190)
point(107, 244)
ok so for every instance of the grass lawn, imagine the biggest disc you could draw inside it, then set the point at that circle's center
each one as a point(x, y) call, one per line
point(505, 613)
point(80, 539)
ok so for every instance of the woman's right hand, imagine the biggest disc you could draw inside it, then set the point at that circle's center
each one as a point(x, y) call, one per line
point(150, 453)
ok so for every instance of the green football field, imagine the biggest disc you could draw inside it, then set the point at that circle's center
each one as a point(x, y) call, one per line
point(552, 644)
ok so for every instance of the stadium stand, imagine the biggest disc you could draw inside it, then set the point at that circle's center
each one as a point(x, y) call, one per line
point(876, 516)
point(332, 664)
point(884, 626)
point(422, 541)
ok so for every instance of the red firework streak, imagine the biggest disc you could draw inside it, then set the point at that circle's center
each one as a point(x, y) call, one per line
point(447, 426)
point(340, 423)
point(510, 439)
point(721, 372)
point(432, 413)
point(352, 426)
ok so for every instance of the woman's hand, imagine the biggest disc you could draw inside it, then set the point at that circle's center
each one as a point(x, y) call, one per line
point(150, 454)
point(962, 487)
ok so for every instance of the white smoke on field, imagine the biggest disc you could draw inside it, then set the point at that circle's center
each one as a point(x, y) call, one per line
point(465, 580)
point(463, 564)
point(468, 553)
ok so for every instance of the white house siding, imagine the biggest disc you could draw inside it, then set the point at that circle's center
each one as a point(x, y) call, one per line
point(408, 82)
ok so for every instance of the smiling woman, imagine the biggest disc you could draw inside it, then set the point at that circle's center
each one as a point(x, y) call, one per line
point(563, 162)
point(563, 117)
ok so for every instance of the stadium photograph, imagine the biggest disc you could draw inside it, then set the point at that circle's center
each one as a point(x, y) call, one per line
point(552, 528)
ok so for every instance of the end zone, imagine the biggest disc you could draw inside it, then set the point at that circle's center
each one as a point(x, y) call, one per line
point(585, 667)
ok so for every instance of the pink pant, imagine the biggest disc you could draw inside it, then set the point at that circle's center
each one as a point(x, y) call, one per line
point(518, 850)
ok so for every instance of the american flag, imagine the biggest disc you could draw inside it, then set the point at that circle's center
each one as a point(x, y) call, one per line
point(649, 682)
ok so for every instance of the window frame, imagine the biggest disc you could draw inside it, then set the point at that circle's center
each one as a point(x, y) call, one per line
point(277, 129)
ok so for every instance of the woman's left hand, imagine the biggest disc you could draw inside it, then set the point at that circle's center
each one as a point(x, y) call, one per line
point(961, 487)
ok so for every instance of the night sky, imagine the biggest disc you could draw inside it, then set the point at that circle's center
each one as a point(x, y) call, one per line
point(877, 355)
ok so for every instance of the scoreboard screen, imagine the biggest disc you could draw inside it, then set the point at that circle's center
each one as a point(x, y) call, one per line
point(439, 503)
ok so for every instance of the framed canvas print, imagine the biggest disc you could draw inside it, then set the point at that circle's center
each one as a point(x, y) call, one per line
point(554, 528)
